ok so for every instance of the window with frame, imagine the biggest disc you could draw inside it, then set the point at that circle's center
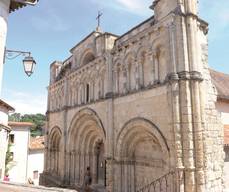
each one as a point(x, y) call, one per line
point(35, 174)
point(11, 139)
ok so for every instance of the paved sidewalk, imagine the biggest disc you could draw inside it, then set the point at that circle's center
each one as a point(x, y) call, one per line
point(13, 187)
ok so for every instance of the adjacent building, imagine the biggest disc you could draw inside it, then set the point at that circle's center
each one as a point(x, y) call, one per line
point(5, 109)
point(27, 154)
point(35, 159)
point(19, 141)
point(139, 109)
point(221, 82)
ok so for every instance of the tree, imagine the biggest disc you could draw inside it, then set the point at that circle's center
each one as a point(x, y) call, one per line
point(37, 119)
point(16, 117)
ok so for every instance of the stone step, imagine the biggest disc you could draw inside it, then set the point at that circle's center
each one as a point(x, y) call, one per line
point(94, 188)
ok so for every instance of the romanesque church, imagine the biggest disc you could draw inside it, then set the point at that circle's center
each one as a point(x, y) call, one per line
point(139, 108)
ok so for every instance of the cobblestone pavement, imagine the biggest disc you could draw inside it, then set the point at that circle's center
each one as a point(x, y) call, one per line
point(17, 188)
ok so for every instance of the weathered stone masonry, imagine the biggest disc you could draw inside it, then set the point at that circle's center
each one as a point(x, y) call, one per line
point(137, 107)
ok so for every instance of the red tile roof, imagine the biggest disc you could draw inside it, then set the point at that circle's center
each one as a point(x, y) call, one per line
point(226, 134)
point(221, 82)
point(20, 124)
point(37, 143)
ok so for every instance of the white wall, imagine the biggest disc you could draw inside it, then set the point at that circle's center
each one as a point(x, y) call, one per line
point(35, 163)
point(3, 149)
point(223, 108)
point(3, 139)
point(18, 172)
point(4, 12)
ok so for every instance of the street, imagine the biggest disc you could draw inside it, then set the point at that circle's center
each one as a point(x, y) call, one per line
point(16, 188)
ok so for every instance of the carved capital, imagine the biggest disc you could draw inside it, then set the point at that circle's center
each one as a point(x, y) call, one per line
point(184, 75)
point(173, 77)
point(195, 75)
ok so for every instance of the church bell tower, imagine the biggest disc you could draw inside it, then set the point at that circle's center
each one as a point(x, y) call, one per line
point(196, 118)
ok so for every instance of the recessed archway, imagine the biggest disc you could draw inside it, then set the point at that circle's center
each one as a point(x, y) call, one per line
point(86, 146)
point(142, 153)
point(54, 150)
point(87, 58)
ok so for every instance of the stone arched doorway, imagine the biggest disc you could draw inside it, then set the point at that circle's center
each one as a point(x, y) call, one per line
point(86, 148)
point(54, 151)
point(100, 163)
point(142, 155)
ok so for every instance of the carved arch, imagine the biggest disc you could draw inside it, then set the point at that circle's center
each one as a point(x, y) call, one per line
point(141, 152)
point(117, 76)
point(139, 125)
point(54, 136)
point(130, 63)
point(54, 145)
point(82, 119)
point(87, 57)
point(85, 133)
point(145, 67)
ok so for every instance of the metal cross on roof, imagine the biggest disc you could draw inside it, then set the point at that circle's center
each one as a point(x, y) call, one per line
point(98, 18)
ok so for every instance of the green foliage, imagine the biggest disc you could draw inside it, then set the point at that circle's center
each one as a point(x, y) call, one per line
point(37, 119)
point(9, 158)
point(16, 117)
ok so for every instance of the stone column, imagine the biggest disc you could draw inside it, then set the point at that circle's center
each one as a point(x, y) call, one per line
point(77, 167)
point(68, 167)
point(177, 123)
point(63, 148)
point(136, 75)
point(140, 72)
point(172, 43)
point(150, 58)
point(187, 132)
point(198, 134)
point(125, 80)
point(69, 159)
point(156, 64)
point(4, 13)
point(94, 168)
point(115, 80)
point(109, 76)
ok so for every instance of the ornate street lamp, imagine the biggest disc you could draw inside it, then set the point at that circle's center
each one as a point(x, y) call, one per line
point(29, 65)
point(28, 62)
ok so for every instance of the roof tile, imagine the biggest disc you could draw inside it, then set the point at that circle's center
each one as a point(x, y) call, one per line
point(37, 143)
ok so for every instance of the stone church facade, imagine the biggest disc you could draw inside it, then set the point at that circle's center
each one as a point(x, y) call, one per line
point(137, 108)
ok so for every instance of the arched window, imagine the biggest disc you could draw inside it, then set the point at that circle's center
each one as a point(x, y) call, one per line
point(87, 58)
point(87, 93)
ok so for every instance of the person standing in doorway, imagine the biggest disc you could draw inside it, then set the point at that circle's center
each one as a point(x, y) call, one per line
point(87, 181)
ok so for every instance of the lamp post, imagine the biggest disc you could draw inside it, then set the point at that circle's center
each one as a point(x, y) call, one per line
point(28, 62)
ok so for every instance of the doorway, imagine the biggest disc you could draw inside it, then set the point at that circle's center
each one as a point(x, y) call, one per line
point(100, 164)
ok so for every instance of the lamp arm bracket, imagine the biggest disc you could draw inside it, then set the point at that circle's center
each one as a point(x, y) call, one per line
point(12, 54)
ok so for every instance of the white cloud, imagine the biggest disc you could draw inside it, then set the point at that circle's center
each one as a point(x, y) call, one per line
point(137, 7)
point(26, 103)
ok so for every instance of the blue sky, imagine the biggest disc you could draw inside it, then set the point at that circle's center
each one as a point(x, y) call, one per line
point(50, 29)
